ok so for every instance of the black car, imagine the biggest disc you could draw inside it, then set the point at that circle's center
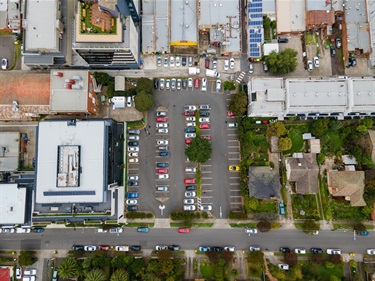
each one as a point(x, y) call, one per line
point(184, 84)
point(282, 40)
point(132, 183)
point(183, 61)
point(132, 143)
point(162, 165)
point(156, 83)
point(78, 248)
point(191, 187)
point(352, 62)
point(284, 250)
point(135, 248)
point(132, 208)
point(316, 251)
point(190, 130)
point(204, 113)
point(333, 52)
point(174, 247)
point(217, 249)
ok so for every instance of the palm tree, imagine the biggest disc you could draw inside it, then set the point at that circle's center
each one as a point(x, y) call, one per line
point(68, 268)
point(120, 275)
point(96, 274)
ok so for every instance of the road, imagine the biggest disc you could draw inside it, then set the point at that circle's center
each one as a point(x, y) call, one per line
point(59, 239)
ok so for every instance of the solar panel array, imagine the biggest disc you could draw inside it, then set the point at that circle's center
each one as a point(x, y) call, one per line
point(255, 23)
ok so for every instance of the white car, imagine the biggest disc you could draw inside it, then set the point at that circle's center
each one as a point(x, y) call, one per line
point(133, 154)
point(370, 252)
point(251, 230)
point(122, 248)
point(190, 119)
point(23, 230)
point(4, 63)
point(316, 62)
point(218, 85)
point(204, 120)
point(190, 107)
point(162, 142)
point(190, 124)
point(178, 63)
point(161, 125)
point(133, 137)
point(166, 62)
point(161, 114)
point(190, 83)
point(254, 248)
point(133, 148)
point(132, 178)
point(131, 202)
point(190, 194)
point(18, 273)
point(133, 160)
point(205, 207)
point(90, 248)
point(300, 251)
point(163, 176)
point(161, 247)
point(162, 84)
point(283, 266)
point(204, 84)
point(204, 107)
point(129, 101)
point(171, 61)
point(7, 230)
point(226, 65)
point(231, 63)
point(214, 63)
point(189, 207)
point(190, 136)
point(163, 131)
point(189, 201)
point(116, 230)
point(30, 271)
point(333, 251)
point(230, 248)
point(167, 84)
point(101, 230)
point(309, 65)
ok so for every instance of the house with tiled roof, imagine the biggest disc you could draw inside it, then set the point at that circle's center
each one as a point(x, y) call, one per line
point(302, 169)
point(347, 184)
point(264, 182)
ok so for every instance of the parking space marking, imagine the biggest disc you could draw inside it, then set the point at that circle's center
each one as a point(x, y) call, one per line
point(206, 197)
point(231, 135)
point(208, 178)
point(232, 140)
point(232, 146)
point(205, 172)
point(238, 159)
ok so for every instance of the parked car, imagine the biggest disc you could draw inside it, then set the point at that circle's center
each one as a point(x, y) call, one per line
point(131, 202)
point(217, 249)
point(190, 124)
point(77, 248)
point(190, 107)
point(178, 84)
point(205, 207)
point(183, 61)
point(23, 230)
point(229, 248)
point(143, 229)
point(283, 266)
point(364, 233)
point(204, 107)
point(117, 229)
point(226, 65)
point(204, 113)
point(162, 84)
point(190, 194)
point(166, 62)
point(190, 83)
point(190, 119)
point(214, 63)
point(133, 154)
point(178, 63)
point(122, 248)
point(204, 126)
point(135, 248)
point(18, 273)
point(162, 165)
point(370, 252)
point(204, 120)
point(316, 251)
point(167, 84)
point(251, 68)
point(204, 248)
point(189, 207)
point(158, 60)
point(156, 83)
point(309, 65)
point(133, 137)
point(218, 85)
point(338, 43)
point(282, 40)
point(134, 143)
point(190, 130)
point(189, 180)
point(132, 195)
point(164, 154)
point(133, 149)
point(251, 230)
point(196, 83)
point(171, 61)
point(4, 63)
point(90, 248)
point(333, 52)
point(333, 251)
point(183, 230)
point(174, 247)
point(265, 67)
point(161, 125)
point(161, 119)
point(191, 187)
point(254, 248)
point(189, 113)
point(190, 61)
point(134, 132)
point(204, 85)
point(300, 251)
point(284, 250)
point(133, 183)
point(162, 171)
point(231, 63)
point(104, 247)
point(162, 142)
point(316, 62)
point(184, 83)
point(132, 208)
point(207, 63)
point(30, 271)
point(38, 230)
point(173, 84)
point(163, 131)
point(161, 247)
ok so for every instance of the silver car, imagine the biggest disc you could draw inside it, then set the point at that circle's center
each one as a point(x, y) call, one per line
point(173, 84)
point(189, 201)
point(162, 84)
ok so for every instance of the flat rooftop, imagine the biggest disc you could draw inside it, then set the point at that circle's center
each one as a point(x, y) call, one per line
point(90, 137)
point(12, 204)
point(290, 15)
point(184, 20)
point(10, 151)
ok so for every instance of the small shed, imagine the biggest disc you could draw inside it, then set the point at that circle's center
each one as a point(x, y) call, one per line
point(118, 102)
point(269, 48)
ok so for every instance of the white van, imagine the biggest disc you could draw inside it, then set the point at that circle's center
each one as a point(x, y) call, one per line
point(212, 73)
point(190, 170)
point(204, 84)
point(30, 271)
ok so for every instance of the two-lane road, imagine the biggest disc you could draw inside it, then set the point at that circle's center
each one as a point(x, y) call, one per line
point(65, 238)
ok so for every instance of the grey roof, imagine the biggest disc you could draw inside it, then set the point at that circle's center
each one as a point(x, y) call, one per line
point(269, 6)
point(14, 14)
point(3, 14)
point(183, 20)
point(370, 15)
point(90, 136)
point(322, 5)
point(42, 31)
point(10, 151)
point(12, 204)
point(38, 59)
point(263, 182)
point(148, 33)
point(363, 94)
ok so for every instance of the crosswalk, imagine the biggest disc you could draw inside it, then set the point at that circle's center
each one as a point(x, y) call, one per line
point(240, 77)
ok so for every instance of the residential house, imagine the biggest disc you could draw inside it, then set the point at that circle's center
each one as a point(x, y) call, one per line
point(264, 182)
point(347, 184)
point(302, 169)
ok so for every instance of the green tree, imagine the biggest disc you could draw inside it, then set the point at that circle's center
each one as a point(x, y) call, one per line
point(335, 259)
point(26, 258)
point(362, 129)
point(264, 226)
point(130, 92)
point(282, 62)
point(255, 257)
point(229, 86)
point(276, 129)
point(285, 143)
point(164, 255)
point(167, 266)
point(367, 121)
point(309, 226)
point(143, 101)
point(329, 265)
point(335, 125)
point(68, 268)
point(199, 150)
point(317, 258)
point(102, 78)
point(251, 204)
point(320, 158)
point(144, 85)
point(96, 274)
point(120, 275)
point(238, 104)
point(334, 278)
point(319, 127)
point(367, 161)
point(291, 258)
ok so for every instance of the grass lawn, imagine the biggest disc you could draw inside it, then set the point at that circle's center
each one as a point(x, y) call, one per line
point(333, 142)
point(295, 134)
point(243, 225)
point(266, 206)
point(341, 210)
point(207, 269)
point(307, 203)
point(323, 272)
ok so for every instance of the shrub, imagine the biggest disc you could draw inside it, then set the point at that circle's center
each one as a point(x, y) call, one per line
point(237, 215)
point(264, 226)
point(329, 264)
point(179, 216)
point(139, 215)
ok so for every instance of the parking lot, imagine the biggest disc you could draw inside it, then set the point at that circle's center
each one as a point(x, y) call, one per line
point(216, 189)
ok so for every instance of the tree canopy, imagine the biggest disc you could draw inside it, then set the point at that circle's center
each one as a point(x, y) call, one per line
point(264, 226)
point(26, 258)
point(284, 144)
point(144, 85)
point(277, 129)
point(143, 101)
point(68, 268)
point(282, 62)
point(238, 104)
point(199, 150)
point(319, 127)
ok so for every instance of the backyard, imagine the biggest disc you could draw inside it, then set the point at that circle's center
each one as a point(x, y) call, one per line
point(305, 207)
point(295, 133)
point(341, 210)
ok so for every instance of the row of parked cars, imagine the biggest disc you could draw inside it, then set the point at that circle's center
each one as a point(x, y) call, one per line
point(183, 61)
point(21, 230)
point(29, 274)
point(162, 171)
point(119, 248)
point(133, 180)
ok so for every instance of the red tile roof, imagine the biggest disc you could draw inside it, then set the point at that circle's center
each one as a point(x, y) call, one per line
point(4, 274)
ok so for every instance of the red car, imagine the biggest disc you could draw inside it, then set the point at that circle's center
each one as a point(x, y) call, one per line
point(265, 122)
point(188, 141)
point(191, 180)
point(207, 63)
point(196, 83)
point(183, 230)
point(161, 119)
point(204, 126)
point(189, 113)
point(230, 113)
point(103, 247)
point(162, 171)
point(206, 137)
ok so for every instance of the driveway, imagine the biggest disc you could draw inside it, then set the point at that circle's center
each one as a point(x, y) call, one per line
point(7, 49)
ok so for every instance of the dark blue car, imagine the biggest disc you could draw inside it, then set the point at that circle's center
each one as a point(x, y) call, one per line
point(38, 230)
point(165, 154)
point(132, 195)
point(143, 229)
point(189, 130)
